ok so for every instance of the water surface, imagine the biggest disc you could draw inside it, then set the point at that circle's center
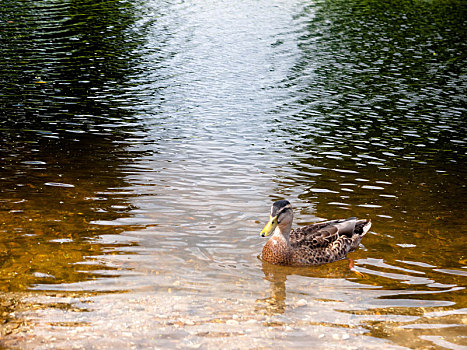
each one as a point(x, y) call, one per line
point(142, 144)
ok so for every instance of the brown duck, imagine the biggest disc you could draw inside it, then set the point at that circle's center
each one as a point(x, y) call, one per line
point(315, 244)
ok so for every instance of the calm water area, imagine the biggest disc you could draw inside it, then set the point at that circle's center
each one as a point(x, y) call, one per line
point(142, 144)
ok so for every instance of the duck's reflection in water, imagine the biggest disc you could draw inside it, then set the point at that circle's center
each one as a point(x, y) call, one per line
point(275, 303)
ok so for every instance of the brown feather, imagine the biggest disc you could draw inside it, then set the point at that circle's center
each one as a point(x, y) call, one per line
point(316, 244)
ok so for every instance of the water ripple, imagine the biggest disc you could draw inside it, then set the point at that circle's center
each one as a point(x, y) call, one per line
point(142, 144)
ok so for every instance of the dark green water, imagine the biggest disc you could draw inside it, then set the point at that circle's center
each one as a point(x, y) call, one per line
point(142, 144)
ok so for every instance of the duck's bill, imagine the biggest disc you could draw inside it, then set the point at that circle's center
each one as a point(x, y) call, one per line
point(270, 226)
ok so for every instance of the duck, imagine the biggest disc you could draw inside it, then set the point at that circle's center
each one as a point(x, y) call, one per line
point(316, 244)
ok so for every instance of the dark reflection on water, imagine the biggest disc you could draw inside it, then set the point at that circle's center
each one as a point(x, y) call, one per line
point(64, 66)
point(143, 142)
point(63, 129)
point(63, 132)
point(382, 120)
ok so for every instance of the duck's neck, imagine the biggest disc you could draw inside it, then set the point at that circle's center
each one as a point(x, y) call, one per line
point(282, 233)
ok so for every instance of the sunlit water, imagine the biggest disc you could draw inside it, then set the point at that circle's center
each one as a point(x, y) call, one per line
point(142, 144)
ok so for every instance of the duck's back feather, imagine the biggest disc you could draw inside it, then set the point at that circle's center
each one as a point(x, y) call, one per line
point(327, 241)
point(322, 234)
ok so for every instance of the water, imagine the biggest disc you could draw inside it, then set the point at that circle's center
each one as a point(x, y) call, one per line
point(142, 144)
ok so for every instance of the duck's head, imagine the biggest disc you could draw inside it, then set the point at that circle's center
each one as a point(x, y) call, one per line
point(281, 216)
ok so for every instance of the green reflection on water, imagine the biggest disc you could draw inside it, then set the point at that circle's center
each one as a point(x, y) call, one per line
point(62, 130)
point(64, 65)
point(381, 88)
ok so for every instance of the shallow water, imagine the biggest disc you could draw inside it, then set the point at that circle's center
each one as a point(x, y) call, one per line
point(142, 144)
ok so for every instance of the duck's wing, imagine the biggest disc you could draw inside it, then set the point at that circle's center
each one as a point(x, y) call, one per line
point(322, 235)
point(327, 241)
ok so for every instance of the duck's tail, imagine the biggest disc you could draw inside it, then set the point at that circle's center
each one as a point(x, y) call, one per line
point(346, 227)
point(361, 228)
